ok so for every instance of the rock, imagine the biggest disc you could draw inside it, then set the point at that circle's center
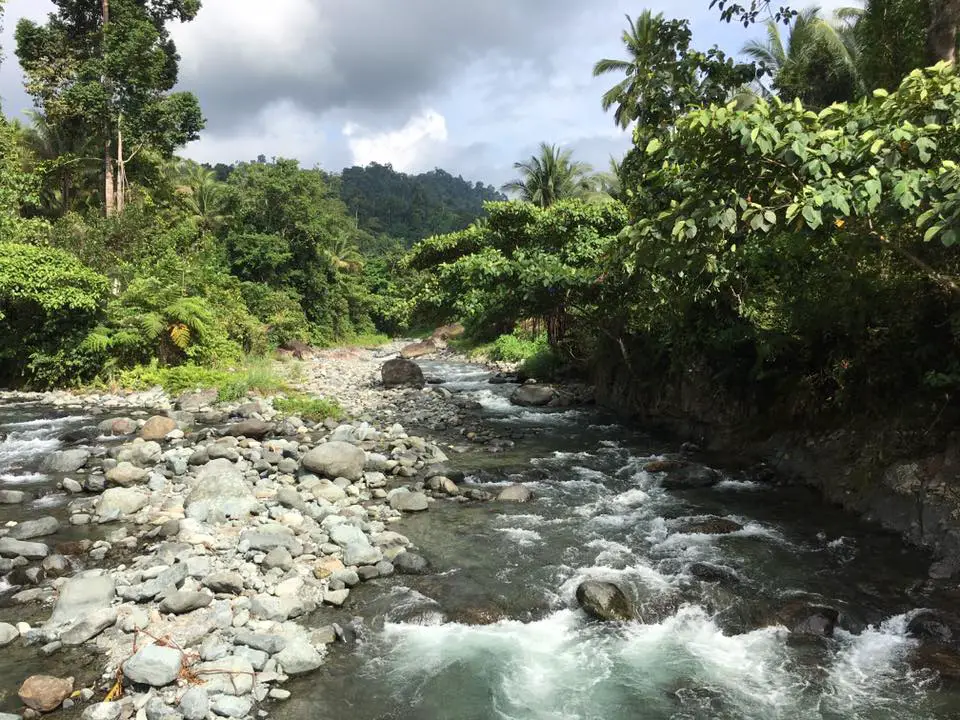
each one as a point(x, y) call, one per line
point(89, 626)
point(257, 658)
point(279, 557)
point(126, 474)
point(221, 451)
point(419, 349)
point(120, 501)
point(255, 429)
point(10, 547)
point(686, 476)
point(447, 332)
point(604, 601)
point(154, 665)
point(658, 466)
point(439, 483)
point(225, 582)
point(515, 493)
point(931, 626)
point(707, 572)
point(231, 675)
point(711, 526)
point(344, 534)
point(326, 490)
point(401, 372)
point(195, 703)
point(408, 563)
point(8, 633)
point(268, 537)
point(65, 461)
point(532, 395)
point(197, 401)
point(812, 620)
point(271, 644)
point(299, 657)
point(35, 528)
point(118, 426)
point(45, 693)
point(104, 711)
point(361, 554)
point(141, 454)
point(279, 694)
point(268, 607)
point(289, 497)
point(409, 502)
point(56, 565)
point(157, 427)
point(184, 601)
point(72, 486)
point(218, 493)
point(336, 459)
point(231, 706)
point(12, 497)
point(384, 568)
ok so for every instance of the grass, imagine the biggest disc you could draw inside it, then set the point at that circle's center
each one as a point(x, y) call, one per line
point(305, 407)
point(254, 375)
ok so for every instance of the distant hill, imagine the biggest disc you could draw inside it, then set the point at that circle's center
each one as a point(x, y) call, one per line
point(412, 207)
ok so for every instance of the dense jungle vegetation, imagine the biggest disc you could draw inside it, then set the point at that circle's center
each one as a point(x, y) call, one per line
point(783, 227)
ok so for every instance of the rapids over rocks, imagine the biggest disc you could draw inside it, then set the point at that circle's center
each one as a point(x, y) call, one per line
point(716, 575)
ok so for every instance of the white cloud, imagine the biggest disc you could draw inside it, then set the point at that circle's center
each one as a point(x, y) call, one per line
point(409, 148)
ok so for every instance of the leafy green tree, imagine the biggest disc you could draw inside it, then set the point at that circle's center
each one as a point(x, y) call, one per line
point(890, 37)
point(105, 70)
point(549, 176)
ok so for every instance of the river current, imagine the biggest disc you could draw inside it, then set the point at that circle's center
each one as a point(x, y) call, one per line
point(494, 631)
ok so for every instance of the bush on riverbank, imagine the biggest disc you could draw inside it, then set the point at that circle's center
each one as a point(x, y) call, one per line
point(309, 408)
point(256, 375)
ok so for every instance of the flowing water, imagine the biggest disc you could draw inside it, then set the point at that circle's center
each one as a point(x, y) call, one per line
point(494, 631)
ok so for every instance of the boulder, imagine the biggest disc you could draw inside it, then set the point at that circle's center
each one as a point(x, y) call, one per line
point(35, 528)
point(219, 492)
point(120, 501)
point(418, 349)
point(45, 693)
point(195, 703)
point(65, 461)
point(326, 490)
point(225, 582)
point(81, 595)
point(708, 572)
point(10, 547)
point(197, 401)
point(154, 665)
point(141, 454)
point(231, 675)
point(157, 427)
point(409, 501)
point(931, 626)
point(336, 459)
point(684, 476)
point(604, 601)
point(12, 497)
point(118, 426)
point(89, 626)
point(808, 620)
point(711, 526)
point(182, 602)
point(230, 706)
point(8, 633)
point(515, 493)
point(273, 535)
point(271, 644)
point(126, 474)
point(255, 429)
point(344, 534)
point(402, 373)
point(299, 657)
point(532, 395)
point(444, 485)
point(361, 554)
point(409, 563)
point(448, 332)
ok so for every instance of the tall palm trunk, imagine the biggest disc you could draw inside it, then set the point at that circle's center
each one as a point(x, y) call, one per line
point(109, 174)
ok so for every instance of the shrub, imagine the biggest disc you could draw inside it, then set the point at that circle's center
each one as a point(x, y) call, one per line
point(309, 408)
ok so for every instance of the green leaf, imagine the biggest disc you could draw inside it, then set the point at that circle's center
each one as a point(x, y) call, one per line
point(813, 217)
point(653, 146)
point(932, 232)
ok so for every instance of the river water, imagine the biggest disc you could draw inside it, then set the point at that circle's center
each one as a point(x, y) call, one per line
point(493, 632)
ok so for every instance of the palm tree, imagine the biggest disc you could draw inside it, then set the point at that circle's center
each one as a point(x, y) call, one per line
point(641, 40)
point(550, 176)
point(201, 194)
point(343, 253)
point(608, 183)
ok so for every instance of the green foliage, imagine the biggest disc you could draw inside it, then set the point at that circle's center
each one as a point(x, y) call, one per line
point(314, 409)
point(253, 376)
point(517, 347)
point(550, 176)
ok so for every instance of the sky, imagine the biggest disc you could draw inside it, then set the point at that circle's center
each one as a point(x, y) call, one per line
point(470, 86)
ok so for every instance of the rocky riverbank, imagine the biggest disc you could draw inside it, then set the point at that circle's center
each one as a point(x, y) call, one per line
point(220, 528)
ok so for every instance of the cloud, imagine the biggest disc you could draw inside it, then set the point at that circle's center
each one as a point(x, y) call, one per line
point(407, 149)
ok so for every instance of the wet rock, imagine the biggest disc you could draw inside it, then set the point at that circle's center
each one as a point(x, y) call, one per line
point(943, 660)
point(184, 601)
point(478, 615)
point(604, 601)
point(45, 693)
point(688, 476)
point(8, 633)
point(408, 563)
point(157, 427)
point(225, 582)
point(218, 493)
point(710, 526)
point(154, 665)
point(515, 493)
point(88, 627)
point(35, 528)
point(808, 620)
point(195, 703)
point(11, 547)
point(255, 429)
point(409, 501)
point(532, 395)
point(65, 461)
point(126, 474)
point(401, 372)
point(708, 572)
point(443, 485)
point(659, 466)
point(12, 497)
point(931, 626)
point(120, 501)
point(336, 459)
point(299, 657)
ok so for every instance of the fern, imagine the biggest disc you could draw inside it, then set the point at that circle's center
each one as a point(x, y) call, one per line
point(180, 335)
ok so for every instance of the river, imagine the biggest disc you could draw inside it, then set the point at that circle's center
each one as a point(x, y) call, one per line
point(494, 630)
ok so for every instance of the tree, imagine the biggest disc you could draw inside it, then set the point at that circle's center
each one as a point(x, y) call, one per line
point(104, 70)
point(550, 176)
point(890, 36)
point(664, 76)
point(204, 198)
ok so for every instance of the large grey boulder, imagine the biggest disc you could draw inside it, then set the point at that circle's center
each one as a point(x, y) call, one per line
point(299, 657)
point(271, 644)
point(604, 601)
point(120, 501)
point(344, 534)
point(336, 459)
point(401, 372)
point(182, 602)
point(126, 474)
point(154, 665)
point(65, 461)
point(118, 426)
point(89, 626)
point(532, 395)
point(255, 429)
point(197, 401)
point(35, 528)
point(409, 501)
point(218, 493)
point(273, 535)
point(82, 595)
point(225, 582)
point(11, 547)
point(141, 454)
point(362, 554)
point(515, 493)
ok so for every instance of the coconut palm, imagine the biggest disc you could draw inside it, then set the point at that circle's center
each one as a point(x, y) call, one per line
point(201, 195)
point(549, 176)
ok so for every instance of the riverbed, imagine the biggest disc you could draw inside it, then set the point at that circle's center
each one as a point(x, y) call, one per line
point(494, 631)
